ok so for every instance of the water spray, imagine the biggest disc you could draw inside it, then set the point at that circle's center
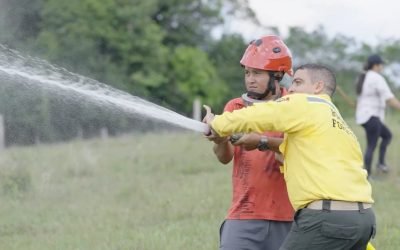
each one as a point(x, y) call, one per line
point(41, 73)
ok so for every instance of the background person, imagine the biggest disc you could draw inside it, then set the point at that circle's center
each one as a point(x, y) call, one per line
point(373, 96)
point(329, 215)
point(260, 214)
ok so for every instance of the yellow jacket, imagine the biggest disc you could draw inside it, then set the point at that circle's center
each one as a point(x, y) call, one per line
point(323, 159)
point(370, 246)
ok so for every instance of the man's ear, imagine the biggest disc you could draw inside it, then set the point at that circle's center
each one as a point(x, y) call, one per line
point(319, 88)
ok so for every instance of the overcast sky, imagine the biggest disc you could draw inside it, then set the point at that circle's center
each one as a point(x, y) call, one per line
point(366, 20)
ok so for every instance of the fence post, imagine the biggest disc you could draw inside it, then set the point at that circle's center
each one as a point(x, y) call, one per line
point(2, 133)
point(197, 109)
point(104, 133)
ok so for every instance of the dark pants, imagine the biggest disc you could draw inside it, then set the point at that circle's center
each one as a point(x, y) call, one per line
point(330, 230)
point(253, 234)
point(374, 129)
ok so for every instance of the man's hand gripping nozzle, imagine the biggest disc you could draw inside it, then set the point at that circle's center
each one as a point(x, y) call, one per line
point(235, 137)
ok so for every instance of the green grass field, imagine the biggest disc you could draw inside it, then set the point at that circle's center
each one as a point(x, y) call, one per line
point(153, 191)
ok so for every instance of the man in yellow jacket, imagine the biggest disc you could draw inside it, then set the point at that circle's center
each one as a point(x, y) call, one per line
point(326, 182)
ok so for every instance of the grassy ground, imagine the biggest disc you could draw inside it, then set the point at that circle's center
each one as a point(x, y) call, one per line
point(152, 192)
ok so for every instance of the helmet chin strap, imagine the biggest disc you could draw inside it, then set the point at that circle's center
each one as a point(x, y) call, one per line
point(257, 96)
point(249, 100)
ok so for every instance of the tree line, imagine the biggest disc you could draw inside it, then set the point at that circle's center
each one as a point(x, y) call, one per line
point(160, 50)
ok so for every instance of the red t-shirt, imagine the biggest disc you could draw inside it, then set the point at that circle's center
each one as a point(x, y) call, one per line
point(259, 189)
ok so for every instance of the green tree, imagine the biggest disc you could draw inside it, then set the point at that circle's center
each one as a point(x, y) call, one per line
point(192, 75)
point(19, 22)
point(225, 54)
point(187, 22)
point(114, 41)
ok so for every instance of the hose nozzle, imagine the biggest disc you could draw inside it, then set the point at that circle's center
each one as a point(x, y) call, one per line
point(235, 137)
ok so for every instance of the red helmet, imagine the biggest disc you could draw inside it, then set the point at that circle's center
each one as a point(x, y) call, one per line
point(268, 53)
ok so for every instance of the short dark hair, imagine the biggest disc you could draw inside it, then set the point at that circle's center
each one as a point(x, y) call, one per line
point(319, 72)
point(374, 59)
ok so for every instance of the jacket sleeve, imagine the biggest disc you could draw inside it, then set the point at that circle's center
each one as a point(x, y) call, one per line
point(285, 115)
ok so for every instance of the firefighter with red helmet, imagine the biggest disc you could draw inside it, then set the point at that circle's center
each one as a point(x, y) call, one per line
point(270, 56)
point(260, 214)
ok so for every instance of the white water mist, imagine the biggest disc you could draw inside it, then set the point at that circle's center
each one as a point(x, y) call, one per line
point(40, 73)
